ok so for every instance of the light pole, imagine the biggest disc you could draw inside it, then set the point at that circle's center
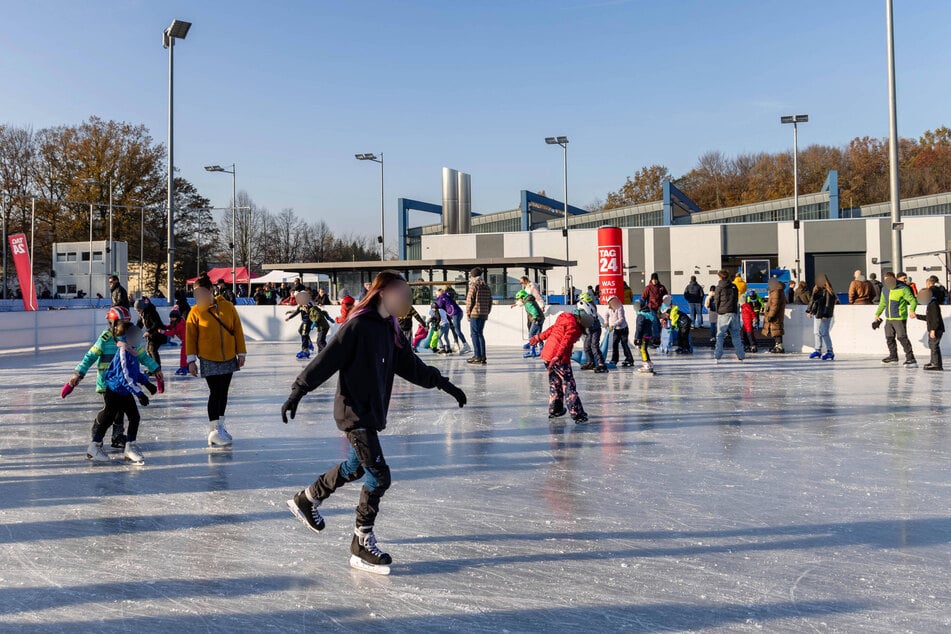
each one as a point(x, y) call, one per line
point(795, 120)
point(893, 143)
point(569, 287)
point(178, 29)
point(234, 203)
point(110, 248)
point(373, 157)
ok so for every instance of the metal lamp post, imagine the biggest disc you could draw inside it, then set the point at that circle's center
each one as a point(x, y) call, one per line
point(177, 30)
point(893, 143)
point(795, 120)
point(563, 142)
point(234, 241)
point(375, 159)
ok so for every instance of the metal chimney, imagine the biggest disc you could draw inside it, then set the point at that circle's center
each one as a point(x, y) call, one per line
point(450, 200)
point(465, 202)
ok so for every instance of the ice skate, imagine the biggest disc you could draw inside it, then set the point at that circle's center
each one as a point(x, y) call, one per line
point(218, 436)
point(580, 418)
point(132, 454)
point(95, 453)
point(366, 555)
point(303, 354)
point(815, 355)
point(910, 363)
point(601, 369)
point(465, 349)
point(558, 413)
point(647, 368)
point(181, 372)
point(532, 353)
point(306, 511)
point(829, 356)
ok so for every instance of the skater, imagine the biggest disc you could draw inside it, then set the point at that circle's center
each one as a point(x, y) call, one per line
point(123, 379)
point(535, 318)
point(643, 332)
point(214, 341)
point(711, 306)
point(367, 351)
point(748, 319)
point(559, 339)
point(592, 335)
point(346, 305)
point(447, 301)
point(422, 332)
point(667, 314)
point(682, 328)
point(312, 318)
point(176, 328)
point(726, 298)
point(101, 354)
point(151, 322)
point(617, 325)
point(652, 297)
point(444, 328)
point(821, 309)
point(693, 295)
point(935, 325)
point(406, 324)
point(774, 315)
point(478, 307)
point(898, 300)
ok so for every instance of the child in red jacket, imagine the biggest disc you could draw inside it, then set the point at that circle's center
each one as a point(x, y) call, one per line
point(176, 328)
point(559, 341)
point(748, 315)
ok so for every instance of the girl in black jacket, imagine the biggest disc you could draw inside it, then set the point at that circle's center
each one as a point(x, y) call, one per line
point(821, 309)
point(367, 351)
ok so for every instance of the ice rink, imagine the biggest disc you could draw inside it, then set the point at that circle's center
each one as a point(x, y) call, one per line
point(779, 494)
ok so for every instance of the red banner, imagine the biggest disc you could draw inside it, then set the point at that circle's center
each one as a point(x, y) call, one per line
point(21, 260)
point(610, 264)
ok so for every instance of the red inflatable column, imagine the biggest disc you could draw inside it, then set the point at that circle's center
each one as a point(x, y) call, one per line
point(610, 264)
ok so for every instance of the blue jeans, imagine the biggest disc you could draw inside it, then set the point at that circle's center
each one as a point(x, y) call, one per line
point(655, 325)
point(457, 328)
point(821, 328)
point(535, 328)
point(476, 326)
point(696, 313)
point(731, 323)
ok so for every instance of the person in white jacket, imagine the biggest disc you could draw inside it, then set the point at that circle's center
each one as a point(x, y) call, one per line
point(617, 324)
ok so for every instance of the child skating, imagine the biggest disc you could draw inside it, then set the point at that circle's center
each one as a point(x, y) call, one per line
point(535, 316)
point(123, 380)
point(101, 354)
point(559, 340)
point(617, 325)
point(366, 353)
point(176, 328)
point(312, 317)
point(643, 332)
point(592, 336)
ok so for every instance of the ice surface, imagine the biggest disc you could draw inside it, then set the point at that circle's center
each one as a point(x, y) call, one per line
point(778, 494)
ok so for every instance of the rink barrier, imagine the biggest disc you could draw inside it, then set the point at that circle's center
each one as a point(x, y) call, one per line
point(506, 327)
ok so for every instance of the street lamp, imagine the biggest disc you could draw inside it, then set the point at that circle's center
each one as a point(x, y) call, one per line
point(795, 120)
point(373, 157)
point(893, 143)
point(563, 142)
point(234, 202)
point(177, 30)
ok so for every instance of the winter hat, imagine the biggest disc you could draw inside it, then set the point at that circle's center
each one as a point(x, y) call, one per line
point(174, 313)
point(140, 304)
point(654, 276)
point(666, 298)
point(347, 301)
point(476, 272)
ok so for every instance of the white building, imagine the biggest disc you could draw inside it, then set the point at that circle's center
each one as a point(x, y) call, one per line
point(85, 266)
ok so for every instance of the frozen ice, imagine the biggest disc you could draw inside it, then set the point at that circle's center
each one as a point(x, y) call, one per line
point(779, 494)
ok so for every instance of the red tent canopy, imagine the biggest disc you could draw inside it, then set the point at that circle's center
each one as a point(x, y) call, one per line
point(224, 273)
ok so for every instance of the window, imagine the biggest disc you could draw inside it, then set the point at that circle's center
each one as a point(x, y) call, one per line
point(97, 256)
point(71, 256)
point(61, 257)
point(85, 257)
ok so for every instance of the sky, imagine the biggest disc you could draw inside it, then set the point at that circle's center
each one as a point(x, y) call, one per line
point(291, 90)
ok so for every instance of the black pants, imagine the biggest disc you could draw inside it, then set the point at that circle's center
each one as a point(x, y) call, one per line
point(114, 407)
point(592, 347)
point(305, 335)
point(218, 387)
point(152, 347)
point(934, 344)
point(620, 336)
point(321, 339)
point(366, 458)
point(896, 329)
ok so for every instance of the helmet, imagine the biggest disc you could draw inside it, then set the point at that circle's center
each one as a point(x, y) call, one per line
point(586, 297)
point(522, 294)
point(118, 313)
point(586, 312)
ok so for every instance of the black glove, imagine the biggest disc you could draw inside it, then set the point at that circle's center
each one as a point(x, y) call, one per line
point(143, 399)
point(150, 387)
point(876, 324)
point(446, 386)
point(290, 405)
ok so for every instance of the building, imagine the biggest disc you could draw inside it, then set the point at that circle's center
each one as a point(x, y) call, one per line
point(85, 266)
point(676, 239)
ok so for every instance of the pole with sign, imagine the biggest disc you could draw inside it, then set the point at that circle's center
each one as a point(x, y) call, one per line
point(610, 264)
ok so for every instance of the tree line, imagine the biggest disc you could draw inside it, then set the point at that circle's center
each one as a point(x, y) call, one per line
point(718, 180)
point(67, 167)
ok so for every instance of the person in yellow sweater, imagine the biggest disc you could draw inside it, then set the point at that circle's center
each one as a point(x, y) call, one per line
point(215, 347)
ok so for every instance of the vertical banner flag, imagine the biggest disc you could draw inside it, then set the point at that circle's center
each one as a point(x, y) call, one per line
point(610, 264)
point(21, 260)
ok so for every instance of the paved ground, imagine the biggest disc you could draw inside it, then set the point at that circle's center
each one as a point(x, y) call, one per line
point(777, 494)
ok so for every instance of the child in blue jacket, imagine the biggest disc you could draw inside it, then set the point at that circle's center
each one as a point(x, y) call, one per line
point(123, 380)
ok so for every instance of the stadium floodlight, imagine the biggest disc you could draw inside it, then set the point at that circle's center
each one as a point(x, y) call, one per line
point(370, 156)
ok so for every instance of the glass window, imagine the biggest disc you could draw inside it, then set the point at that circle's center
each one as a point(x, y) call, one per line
point(85, 257)
point(97, 256)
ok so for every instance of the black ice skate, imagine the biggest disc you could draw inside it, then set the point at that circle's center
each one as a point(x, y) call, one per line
point(306, 511)
point(366, 555)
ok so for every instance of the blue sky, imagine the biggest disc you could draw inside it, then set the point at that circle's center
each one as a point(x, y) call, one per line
point(292, 90)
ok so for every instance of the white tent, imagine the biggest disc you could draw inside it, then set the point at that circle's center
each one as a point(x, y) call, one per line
point(278, 277)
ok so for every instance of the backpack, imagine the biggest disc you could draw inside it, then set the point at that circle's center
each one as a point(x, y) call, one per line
point(319, 318)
